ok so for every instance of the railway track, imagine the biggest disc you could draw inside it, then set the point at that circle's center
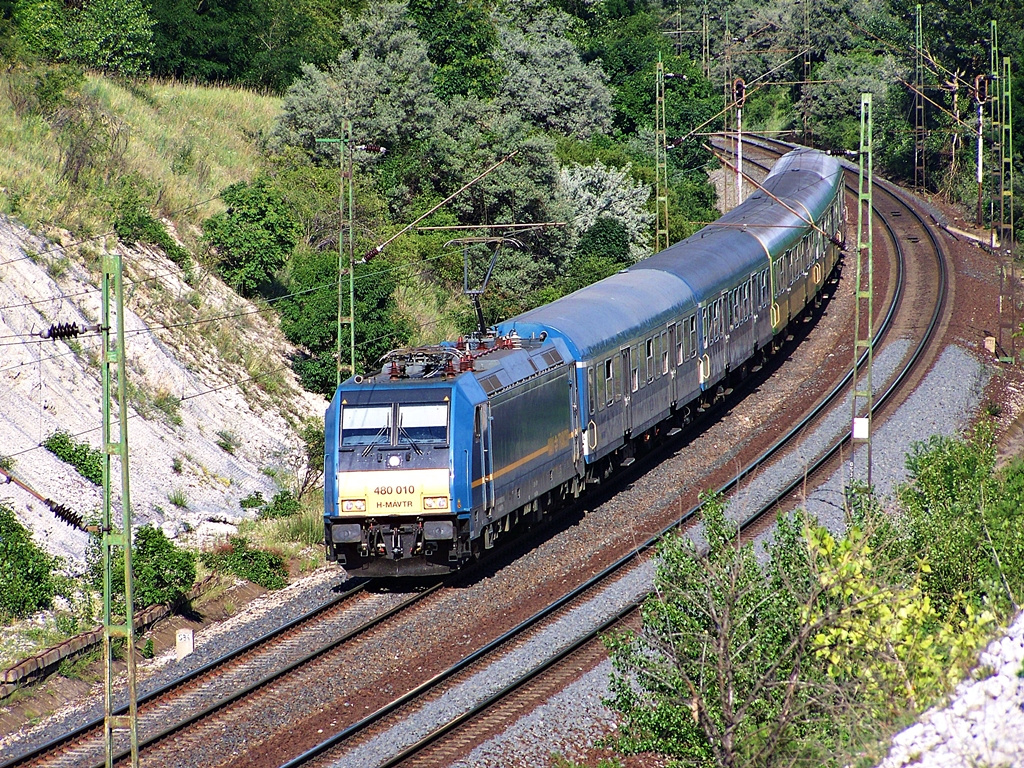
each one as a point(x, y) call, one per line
point(378, 739)
point(411, 690)
point(189, 699)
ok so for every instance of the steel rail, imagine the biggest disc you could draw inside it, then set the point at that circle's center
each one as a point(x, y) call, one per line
point(80, 731)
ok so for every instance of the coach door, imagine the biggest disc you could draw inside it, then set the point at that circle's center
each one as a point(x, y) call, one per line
point(629, 388)
point(484, 458)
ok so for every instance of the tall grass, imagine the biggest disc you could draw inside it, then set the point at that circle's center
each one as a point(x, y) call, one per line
point(185, 143)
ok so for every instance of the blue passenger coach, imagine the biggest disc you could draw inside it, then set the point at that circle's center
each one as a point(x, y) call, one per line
point(430, 461)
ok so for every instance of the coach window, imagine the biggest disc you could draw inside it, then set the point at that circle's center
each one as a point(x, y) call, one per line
point(590, 388)
point(650, 360)
point(680, 341)
point(664, 351)
point(693, 336)
point(764, 288)
point(705, 317)
point(609, 385)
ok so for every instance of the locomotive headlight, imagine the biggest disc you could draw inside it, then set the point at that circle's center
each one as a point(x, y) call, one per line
point(435, 502)
point(353, 505)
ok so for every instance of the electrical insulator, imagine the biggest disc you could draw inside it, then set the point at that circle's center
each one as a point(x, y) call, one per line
point(739, 91)
point(981, 88)
point(65, 515)
point(61, 331)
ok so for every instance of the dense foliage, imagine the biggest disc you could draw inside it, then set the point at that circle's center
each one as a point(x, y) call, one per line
point(437, 91)
point(28, 580)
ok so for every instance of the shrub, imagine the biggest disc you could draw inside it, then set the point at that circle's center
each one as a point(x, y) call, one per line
point(227, 440)
point(178, 498)
point(254, 236)
point(134, 224)
point(258, 566)
point(282, 505)
point(170, 406)
point(254, 500)
point(27, 582)
point(161, 571)
point(88, 461)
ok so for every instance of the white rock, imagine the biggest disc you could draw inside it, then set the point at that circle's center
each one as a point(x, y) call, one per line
point(1012, 650)
point(994, 686)
point(974, 697)
point(208, 533)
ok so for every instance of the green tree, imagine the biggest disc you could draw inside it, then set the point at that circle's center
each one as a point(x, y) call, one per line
point(259, 43)
point(546, 81)
point(27, 582)
point(309, 316)
point(962, 518)
point(603, 250)
point(254, 237)
point(113, 36)
point(716, 676)
point(887, 642)
point(833, 104)
point(381, 82)
point(42, 27)
point(460, 38)
point(594, 192)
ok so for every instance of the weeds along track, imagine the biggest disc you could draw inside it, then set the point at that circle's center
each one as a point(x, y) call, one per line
point(442, 719)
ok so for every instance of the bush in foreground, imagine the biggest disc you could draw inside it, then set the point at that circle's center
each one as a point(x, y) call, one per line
point(27, 582)
point(258, 566)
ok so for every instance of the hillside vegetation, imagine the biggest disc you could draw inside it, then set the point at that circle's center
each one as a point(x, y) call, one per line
point(174, 145)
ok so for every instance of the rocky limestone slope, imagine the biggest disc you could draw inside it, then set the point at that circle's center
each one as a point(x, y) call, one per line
point(204, 367)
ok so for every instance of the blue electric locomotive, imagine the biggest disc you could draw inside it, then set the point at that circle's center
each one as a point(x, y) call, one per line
point(430, 461)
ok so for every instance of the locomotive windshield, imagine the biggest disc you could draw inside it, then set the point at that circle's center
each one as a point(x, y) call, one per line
point(365, 426)
point(422, 424)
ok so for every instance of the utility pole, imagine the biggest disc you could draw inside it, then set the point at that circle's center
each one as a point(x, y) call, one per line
point(739, 92)
point(1006, 154)
point(345, 191)
point(705, 51)
point(996, 127)
point(919, 123)
point(864, 293)
point(808, 139)
point(727, 95)
point(980, 97)
point(661, 159)
point(116, 539)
